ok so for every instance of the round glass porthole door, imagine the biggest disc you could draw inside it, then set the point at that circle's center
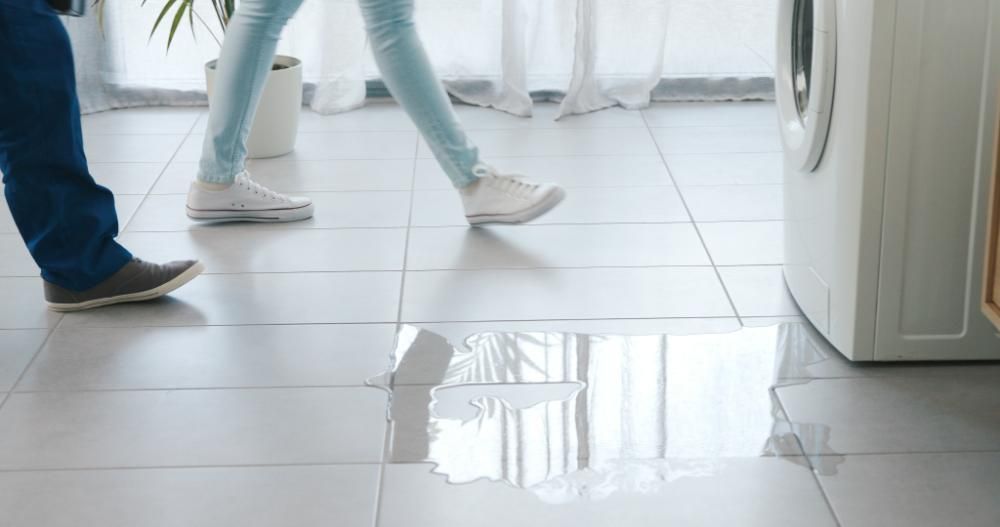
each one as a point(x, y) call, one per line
point(806, 68)
point(802, 51)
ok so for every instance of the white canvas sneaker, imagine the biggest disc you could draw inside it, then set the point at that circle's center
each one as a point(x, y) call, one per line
point(245, 200)
point(498, 198)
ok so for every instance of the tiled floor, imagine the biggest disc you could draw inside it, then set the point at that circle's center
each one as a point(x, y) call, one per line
point(241, 400)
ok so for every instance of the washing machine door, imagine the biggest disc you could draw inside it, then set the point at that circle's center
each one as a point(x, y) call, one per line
point(806, 69)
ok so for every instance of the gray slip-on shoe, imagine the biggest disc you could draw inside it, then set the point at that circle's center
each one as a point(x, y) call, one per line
point(138, 281)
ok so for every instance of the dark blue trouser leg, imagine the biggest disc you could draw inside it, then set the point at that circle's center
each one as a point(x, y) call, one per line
point(66, 219)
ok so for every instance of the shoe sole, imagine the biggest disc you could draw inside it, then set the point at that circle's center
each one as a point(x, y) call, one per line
point(141, 296)
point(540, 209)
point(256, 216)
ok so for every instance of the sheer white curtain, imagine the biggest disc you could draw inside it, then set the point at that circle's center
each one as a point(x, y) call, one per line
point(587, 54)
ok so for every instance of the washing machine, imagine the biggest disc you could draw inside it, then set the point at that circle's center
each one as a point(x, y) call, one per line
point(888, 112)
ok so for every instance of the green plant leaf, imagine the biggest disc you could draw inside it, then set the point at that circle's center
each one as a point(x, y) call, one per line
point(163, 13)
point(185, 4)
point(191, 19)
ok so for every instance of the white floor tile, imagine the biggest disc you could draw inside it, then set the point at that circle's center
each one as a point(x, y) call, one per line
point(288, 176)
point(666, 115)
point(544, 117)
point(355, 145)
point(311, 146)
point(184, 428)
point(569, 142)
point(438, 296)
point(717, 139)
point(208, 357)
point(747, 492)
point(249, 250)
point(16, 260)
point(276, 298)
point(17, 347)
point(155, 120)
point(22, 305)
point(726, 169)
point(126, 207)
point(334, 210)
point(176, 178)
point(745, 243)
point(457, 332)
point(916, 490)
point(194, 497)
point(570, 172)
point(127, 178)
point(190, 149)
point(582, 205)
point(333, 175)
point(759, 291)
point(900, 414)
point(555, 246)
point(374, 117)
point(136, 148)
point(7, 225)
point(735, 203)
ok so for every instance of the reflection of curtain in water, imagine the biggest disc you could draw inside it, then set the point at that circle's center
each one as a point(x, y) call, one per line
point(652, 408)
point(618, 415)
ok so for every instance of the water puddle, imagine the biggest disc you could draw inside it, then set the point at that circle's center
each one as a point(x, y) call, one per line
point(575, 416)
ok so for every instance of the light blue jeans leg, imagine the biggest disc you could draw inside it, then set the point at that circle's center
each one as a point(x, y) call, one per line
point(408, 74)
point(246, 58)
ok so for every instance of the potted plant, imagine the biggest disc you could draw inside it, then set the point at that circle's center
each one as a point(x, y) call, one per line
point(276, 123)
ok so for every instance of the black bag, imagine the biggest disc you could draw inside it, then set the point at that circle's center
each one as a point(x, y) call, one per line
point(69, 7)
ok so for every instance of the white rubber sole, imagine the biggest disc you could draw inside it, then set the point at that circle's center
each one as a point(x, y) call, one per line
point(257, 216)
point(141, 296)
point(539, 209)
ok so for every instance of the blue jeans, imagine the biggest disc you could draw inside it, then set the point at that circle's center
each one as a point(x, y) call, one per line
point(246, 59)
point(66, 219)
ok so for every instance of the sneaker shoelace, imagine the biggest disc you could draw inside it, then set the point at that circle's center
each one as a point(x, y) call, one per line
point(261, 190)
point(509, 185)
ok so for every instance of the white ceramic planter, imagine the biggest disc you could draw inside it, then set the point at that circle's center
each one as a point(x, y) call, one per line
point(276, 124)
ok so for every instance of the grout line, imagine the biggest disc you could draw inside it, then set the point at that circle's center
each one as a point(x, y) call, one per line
point(31, 362)
point(221, 227)
point(172, 389)
point(421, 462)
point(270, 227)
point(473, 270)
point(163, 170)
point(186, 467)
point(387, 436)
point(704, 245)
point(643, 186)
point(413, 322)
point(808, 458)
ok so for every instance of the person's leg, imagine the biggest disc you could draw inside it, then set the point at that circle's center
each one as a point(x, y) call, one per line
point(408, 74)
point(246, 59)
point(223, 190)
point(487, 196)
point(66, 219)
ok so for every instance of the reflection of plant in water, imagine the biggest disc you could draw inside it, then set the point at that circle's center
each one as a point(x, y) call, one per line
point(503, 357)
point(654, 408)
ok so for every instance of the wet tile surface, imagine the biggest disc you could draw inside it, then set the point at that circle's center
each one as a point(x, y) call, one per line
point(599, 373)
point(599, 425)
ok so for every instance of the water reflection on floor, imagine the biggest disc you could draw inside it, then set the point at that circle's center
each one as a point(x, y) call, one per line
point(572, 416)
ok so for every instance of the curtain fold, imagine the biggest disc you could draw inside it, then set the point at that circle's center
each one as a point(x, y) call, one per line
point(504, 54)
